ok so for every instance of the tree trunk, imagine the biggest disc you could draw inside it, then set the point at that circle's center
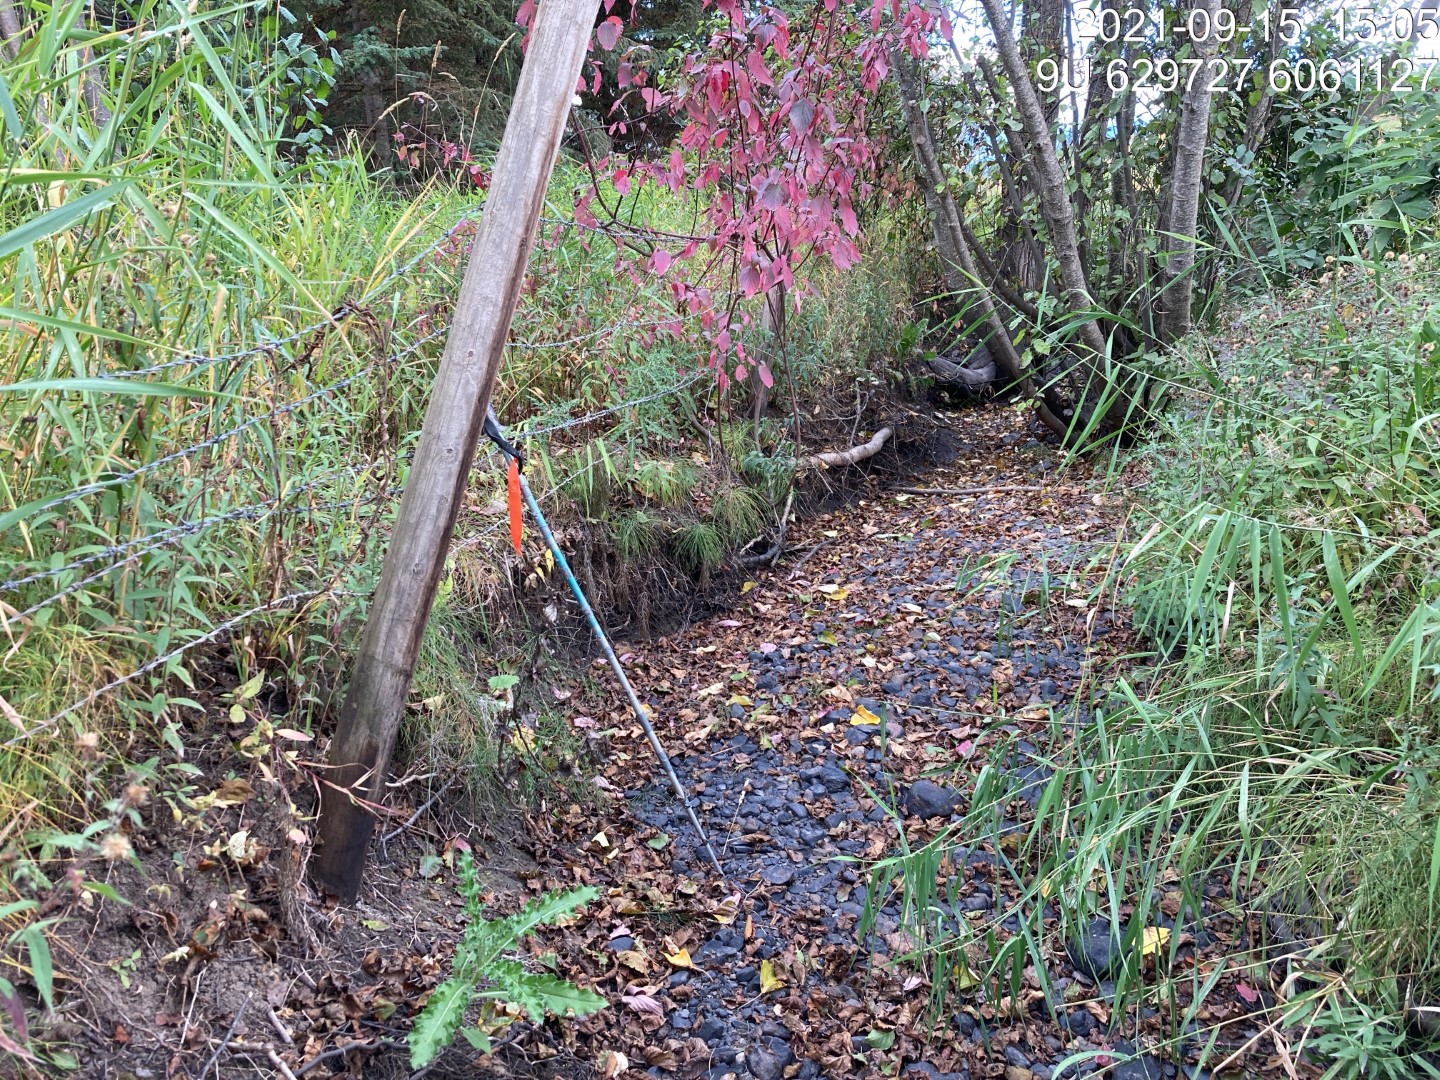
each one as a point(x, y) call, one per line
point(1054, 200)
point(1177, 287)
point(9, 30)
point(772, 324)
point(961, 276)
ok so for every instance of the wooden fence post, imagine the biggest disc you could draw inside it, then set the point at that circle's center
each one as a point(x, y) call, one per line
point(380, 681)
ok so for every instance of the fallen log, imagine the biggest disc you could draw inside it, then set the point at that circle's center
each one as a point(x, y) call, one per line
point(856, 454)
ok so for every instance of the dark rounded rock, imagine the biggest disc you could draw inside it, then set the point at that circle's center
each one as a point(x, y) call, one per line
point(928, 799)
point(768, 1058)
point(834, 779)
point(1143, 1067)
point(779, 874)
point(1096, 950)
point(1080, 1023)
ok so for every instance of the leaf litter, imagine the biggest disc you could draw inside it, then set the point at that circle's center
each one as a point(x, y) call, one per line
point(911, 637)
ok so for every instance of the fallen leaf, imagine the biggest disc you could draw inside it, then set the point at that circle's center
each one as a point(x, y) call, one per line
point(746, 587)
point(8, 711)
point(293, 735)
point(680, 959)
point(727, 910)
point(1154, 940)
point(768, 979)
point(863, 717)
point(635, 960)
point(611, 1063)
point(1248, 993)
point(232, 793)
point(643, 1004)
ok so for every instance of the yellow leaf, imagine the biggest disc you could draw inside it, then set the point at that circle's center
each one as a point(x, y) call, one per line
point(709, 691)
point(746, 587)
point(602, 839)
point(828, 638)
point(1154, 940)
point(740, 699)
point(863, 717)
point(768, 979)
point(680, 958)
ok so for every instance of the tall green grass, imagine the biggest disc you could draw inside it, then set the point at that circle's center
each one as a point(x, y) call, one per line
point(1274, 763)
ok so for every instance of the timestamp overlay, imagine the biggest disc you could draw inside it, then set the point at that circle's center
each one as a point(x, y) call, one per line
point(1148, 40)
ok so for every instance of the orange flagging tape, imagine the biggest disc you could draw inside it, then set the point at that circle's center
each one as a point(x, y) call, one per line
point(512, 482)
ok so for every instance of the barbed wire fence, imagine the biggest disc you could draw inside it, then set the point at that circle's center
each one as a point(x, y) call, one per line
point(82, 573)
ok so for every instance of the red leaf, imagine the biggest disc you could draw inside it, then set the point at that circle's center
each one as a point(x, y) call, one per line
point(660, 261)
point(608, 32)
point(1248, 993)
point(763, 370)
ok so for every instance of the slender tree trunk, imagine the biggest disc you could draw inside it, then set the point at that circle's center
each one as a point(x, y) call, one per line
point(1054, 199)
point(1032, 273)
point(1257, 117)
point(772, 323)
point(962, 275)
point(9, 30)
point(1178, 285)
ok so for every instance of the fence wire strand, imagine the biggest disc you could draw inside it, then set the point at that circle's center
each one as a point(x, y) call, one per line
point(119, 555)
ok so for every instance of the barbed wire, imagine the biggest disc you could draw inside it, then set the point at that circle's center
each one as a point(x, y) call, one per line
point(344, 310)
point(216, 440)
point(277, 511)
point(609, 410)
point(229, 624)
point(350, 307)
point(622, 324)
point(185, 528)
point(146, 668)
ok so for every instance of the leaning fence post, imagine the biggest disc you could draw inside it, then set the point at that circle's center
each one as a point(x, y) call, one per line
point(380, 681)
